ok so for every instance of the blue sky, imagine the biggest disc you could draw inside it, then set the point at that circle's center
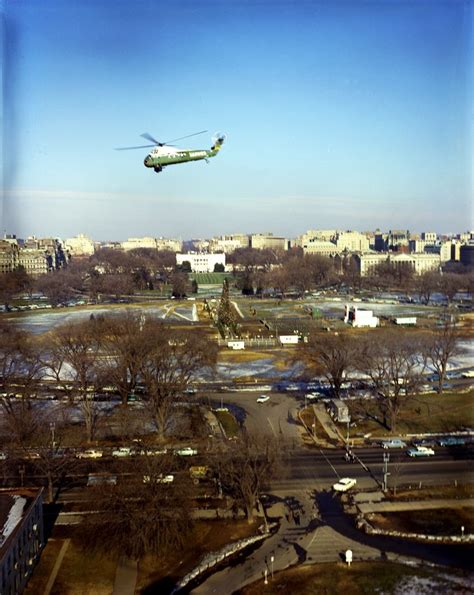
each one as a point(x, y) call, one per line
point(352, 115)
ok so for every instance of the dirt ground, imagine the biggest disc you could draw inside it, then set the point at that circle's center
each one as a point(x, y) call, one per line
point(84, 573)
point(431, 522)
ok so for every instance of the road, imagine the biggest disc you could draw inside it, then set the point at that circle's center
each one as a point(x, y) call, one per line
point(316, 530)
point(311, 467)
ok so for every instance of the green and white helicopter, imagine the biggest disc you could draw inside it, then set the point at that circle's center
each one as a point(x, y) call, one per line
point(164, 154)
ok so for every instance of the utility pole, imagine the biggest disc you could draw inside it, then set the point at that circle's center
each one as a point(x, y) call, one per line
point(386, 459)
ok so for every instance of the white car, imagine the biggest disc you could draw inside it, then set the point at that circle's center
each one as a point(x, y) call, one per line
point(314, 395)
point(159, 479)
point(263, 399)
point(186, 451)
point(420, 451)
point(90, 453)
point(344, 484)
point(122, 451)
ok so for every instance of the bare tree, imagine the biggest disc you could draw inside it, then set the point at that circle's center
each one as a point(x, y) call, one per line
point(72, 355)
point(20, 372)
point(426, 284)
point(175, 358)
point(441, 346)
point(147, 513)
point(246, 468)
point(395, 362)
point(333, 356)
point(126, 339)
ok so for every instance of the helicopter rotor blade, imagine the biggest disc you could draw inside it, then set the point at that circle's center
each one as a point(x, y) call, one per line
point(151, 139)
point(130, 148)
point(183, 137)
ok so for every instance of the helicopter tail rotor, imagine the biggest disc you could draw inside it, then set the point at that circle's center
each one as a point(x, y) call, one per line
point(218, 140)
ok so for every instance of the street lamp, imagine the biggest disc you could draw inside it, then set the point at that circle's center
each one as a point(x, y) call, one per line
point(272, 559)
point(314, 430)
point(386, 459)
point(52, 427)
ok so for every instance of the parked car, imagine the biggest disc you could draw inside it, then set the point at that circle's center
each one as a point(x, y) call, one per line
point(123, 451)
point(159, 479)
point(89, 453)
point(394, 443)
point(152, 452)
point(314, 395)
point(98, 479)
point(263, 399)
point(452, 441)
point(186, 451)
point(429, 442)
point(420, 451)
point(344, 484)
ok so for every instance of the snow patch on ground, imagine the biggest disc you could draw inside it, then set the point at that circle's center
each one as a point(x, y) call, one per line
point(14, 517)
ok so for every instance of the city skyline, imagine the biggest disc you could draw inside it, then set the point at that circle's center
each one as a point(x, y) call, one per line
point(335, 112)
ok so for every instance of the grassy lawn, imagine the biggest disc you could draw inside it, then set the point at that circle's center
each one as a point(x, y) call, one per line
point(81, 572)
point(228, 422)
point(465, 490)
point(450, 411)
point(430, 522)
point(309, 419)
point(361, 578)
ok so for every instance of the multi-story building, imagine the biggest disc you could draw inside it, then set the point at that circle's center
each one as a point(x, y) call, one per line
point(351, 241)
point(9, 252)
point(228, 244)
point(420, 263)
point(169, 244)
point(201, 263)
point(261, 241)
point(429, 237)
point(321, 247)
point(467, 255)
point(80, 245)
point(34, 261)
point(152, 243)
point(133, 243)
point(21, 537)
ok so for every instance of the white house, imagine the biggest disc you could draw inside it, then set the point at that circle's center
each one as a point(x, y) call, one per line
point(201, 263)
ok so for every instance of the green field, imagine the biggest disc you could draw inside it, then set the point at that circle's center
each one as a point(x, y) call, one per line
point(209, 278)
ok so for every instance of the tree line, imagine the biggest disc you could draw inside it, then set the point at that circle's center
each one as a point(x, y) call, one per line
point(394, 362)
point(117, 274)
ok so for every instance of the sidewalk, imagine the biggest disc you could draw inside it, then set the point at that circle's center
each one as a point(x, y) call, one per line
point(328, 424)
point(125, 577)
point(301, 539)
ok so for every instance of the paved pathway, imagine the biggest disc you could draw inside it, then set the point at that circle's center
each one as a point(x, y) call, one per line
point(328, 424)
point(57, 566)
point(125, 577)
point(301, 538)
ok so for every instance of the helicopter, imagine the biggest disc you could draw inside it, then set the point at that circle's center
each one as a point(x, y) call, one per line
point(164, 154)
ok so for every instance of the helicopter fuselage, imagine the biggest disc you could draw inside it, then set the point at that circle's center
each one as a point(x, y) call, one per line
point(160, 157)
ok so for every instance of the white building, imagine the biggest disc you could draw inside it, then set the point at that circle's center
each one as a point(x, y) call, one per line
point(352, 241)
point(358, 317)
point(80, 245)
point(420, 263)
point(153, 243)
point(321, 247)
point(133, 243)
point(201, 263)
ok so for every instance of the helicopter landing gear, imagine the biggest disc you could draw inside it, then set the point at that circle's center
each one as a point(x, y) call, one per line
point(158, 168)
